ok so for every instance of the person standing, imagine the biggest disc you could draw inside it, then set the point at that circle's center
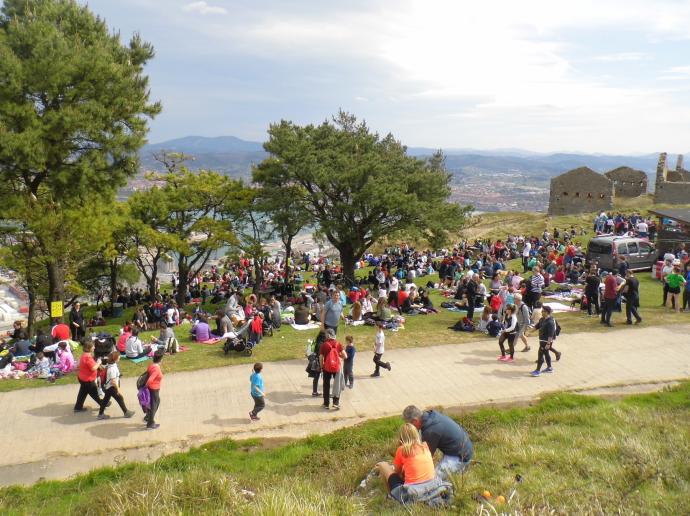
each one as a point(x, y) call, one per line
point(154, 386)
point(525, 255)
point(508, 333)
point(332, 313)
point(523, 320)
point(592, 282)
point(471, 291)
point(330, 355)
point(547, 333)
point(348, 366)
point(112, 387)
point(631, 290)
point(76, 322)
point(536, 284)
point(88, 370)
point(675, 282)
point(610, 297)
point(257, 390)
point(379, 349)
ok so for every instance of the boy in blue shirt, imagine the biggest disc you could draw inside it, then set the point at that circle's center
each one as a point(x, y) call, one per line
point(349, 361)
point(257, 391)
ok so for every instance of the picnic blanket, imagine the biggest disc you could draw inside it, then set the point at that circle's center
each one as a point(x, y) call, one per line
point(214, 340)
point(138, 360)
point(310, 326)
point(559, 307)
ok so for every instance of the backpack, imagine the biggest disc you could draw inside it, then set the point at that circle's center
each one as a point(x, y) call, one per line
point(331, 363)
point(558, 328)
point(141, 381)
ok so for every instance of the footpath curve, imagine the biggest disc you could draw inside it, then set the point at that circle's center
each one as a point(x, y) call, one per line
point(49, 441)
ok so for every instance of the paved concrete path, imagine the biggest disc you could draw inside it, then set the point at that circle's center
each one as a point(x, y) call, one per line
point(45, 434)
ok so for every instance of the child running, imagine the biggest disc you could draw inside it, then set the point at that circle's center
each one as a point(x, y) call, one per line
point(379, 348)
point(257, 391)
point(349, 361)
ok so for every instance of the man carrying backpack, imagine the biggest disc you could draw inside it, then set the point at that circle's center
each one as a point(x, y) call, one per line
point(330, 356)
point(547, 327)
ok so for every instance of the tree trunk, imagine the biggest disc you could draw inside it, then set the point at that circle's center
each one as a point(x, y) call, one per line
point(56, 282)
point(347, 258)
point(113, 281)
point(183, 283)
point(258, 275)
point(288, 257)
point(152, 280)
point(31, 316)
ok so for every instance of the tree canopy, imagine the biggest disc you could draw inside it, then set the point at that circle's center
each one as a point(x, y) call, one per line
point(356, 185)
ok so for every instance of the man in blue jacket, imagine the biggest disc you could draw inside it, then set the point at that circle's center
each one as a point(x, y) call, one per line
point(442, 433)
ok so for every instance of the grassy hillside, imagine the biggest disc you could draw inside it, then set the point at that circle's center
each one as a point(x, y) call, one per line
point(577, 455)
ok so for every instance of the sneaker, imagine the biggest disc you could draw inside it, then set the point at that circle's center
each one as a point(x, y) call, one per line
point(129, 413)
point(316, 394)
point(548, 370)
point(83, 409)
point(325, 407)
point(257, 418)
point(350, 386)
point(501, 358)
point(388, 366)
point(153, 426)
point(336, 407)
point(558, 355)
point(527, 348)
point(103, 416)
point(509, 359)
point(535, 373)
point(374, 375)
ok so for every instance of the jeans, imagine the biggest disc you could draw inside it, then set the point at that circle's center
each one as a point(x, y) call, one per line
point(347, 372)
point(631, 311)
point(259, 404)
point(593, 302)
point(609, 305)
point(87, 389)
point(510, 337)
point(379, 364)
point(327, 389)
point(543, 355)
point(451, 464)
point(155, 403)
point(112, 392)
point(686, 298)
point(315, 383)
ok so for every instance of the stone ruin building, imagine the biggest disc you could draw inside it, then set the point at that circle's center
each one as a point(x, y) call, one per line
point(628, 182)
point(581, 190)
point(672, 186)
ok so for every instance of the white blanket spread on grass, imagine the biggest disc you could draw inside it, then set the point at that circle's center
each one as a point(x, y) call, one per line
point(559, 307)
point(310, 326)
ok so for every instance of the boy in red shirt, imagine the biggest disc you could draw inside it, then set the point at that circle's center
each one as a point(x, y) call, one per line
point(88, 369)
point(154, 385)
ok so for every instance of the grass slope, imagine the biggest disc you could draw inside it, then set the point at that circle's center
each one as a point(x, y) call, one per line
point(577, 455)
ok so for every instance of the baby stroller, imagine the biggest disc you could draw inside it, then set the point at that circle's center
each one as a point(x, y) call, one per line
point(267, 328)
point(239, 341)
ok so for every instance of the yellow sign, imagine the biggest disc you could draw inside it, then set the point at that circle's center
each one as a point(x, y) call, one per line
point(56, 309)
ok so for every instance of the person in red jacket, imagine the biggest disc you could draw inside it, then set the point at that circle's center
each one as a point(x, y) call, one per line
point(154, 386)
point(88, 369)
point(60, 331)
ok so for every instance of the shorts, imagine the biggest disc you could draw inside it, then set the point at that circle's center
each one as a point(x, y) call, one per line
point(520, 330)
point(674, 290)
point(395, 483)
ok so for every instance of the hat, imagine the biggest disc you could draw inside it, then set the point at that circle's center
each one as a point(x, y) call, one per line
point(676, 262)
point(330, 334)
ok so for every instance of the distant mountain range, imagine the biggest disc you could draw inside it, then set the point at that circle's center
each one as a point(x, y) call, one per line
point(235, 157)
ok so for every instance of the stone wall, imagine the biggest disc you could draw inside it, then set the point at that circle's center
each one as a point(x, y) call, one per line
point(580, 191)
point(628, 182)
point(671, 186)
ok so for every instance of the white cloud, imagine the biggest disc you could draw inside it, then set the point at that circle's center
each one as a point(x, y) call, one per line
point(203, 8)
point(624, 57)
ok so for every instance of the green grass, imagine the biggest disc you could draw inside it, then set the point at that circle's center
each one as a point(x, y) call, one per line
point(419, 330)
point(577, 455)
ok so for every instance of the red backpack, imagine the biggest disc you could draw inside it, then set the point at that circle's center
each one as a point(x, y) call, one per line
point(331, 363)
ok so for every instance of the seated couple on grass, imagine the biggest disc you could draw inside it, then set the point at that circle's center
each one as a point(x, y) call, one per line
point(412, 476)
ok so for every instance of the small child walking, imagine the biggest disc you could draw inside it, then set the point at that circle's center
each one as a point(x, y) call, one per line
point(349, 361)
point(379, 349)
point(257, 391)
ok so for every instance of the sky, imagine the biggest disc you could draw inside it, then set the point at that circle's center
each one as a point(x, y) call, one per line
point(607, 76)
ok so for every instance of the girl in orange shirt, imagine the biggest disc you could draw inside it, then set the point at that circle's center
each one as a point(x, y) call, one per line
point(412, 464)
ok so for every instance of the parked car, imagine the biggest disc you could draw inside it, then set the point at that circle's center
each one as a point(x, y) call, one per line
point(605, 250)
